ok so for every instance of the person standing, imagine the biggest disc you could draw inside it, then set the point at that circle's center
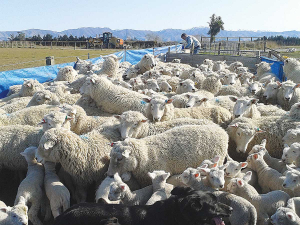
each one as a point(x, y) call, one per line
point(190, 40)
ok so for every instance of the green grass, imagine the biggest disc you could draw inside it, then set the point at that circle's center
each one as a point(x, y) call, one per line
point(291, 54)
point(19, 58)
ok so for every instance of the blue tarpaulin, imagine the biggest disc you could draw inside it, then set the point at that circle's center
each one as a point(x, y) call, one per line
point(47, 73)
point(276, 67)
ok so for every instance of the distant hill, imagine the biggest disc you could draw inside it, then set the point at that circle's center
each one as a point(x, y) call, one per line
point(166, 34)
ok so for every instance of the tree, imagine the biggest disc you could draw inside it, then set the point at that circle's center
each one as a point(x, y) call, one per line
point(48, 37)
point(215, 26)
point(153, 37)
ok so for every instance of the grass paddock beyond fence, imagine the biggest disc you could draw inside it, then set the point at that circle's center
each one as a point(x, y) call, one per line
point(20, 58)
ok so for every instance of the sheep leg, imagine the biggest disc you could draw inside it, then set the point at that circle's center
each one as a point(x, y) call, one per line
point(80, 194)
point(56, 212)
point(33, 214)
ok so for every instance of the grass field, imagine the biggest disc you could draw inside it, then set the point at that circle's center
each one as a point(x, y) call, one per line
point(19, 58)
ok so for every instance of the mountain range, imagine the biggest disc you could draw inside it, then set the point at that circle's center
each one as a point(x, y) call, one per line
point(166, 34)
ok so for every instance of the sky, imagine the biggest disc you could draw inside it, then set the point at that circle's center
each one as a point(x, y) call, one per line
point(59, 15)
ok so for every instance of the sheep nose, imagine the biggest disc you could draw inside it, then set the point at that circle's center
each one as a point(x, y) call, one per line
point(231, 83)
point(221, 186)
point(284, 185)
point(157, 89)
point(264, 96)
point(253, 91)
point(188, 106)
point(193, 90)
point(287, 99)
point(236, 116)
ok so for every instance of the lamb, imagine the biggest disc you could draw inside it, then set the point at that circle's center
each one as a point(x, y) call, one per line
point(135, 156)
point(14, 89)
point(119, 191)
point(16, 215)
point(31, 188)
point(288, 94)
point(112, 98)
point(295, 111)
point(214, 177)
point(266, 204)
point(43, 97)
point(223, 101)
point(29, 87)
point(286, 216)
point(245, 77)
point(243, 211)
point(135, 125)
point(265, 173)
point(56, 192)
point(152, 84)
point(264, 71)
point(85, 165)
point(103, 190)
point(28, 116)
point(238, 91)
point(212, 84)
point(231, 79)
point(291, 153)
point(294, 204)
point(219, 65)
point(274, 163)
point(67, 74)
point(131, 72)
point(148, 62)
point(185, 86)
point(161, 190)
point(292, 136)
point(234, 65)
point(160, 109)
point(164, 85)
point(198, 78)
point(292, 69)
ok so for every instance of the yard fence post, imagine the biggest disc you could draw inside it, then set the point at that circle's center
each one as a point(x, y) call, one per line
point(50, 61)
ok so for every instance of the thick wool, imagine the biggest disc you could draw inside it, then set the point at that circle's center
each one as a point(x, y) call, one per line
point(294, 98)
point(112, 98)
point(292, 69)
point(165, 151)
point(16, 104)
point(212, 84)
point(43, 97)
point(67, 74)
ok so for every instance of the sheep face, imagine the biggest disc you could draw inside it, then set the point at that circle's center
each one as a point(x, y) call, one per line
point(194, 100)
point(186, 86)
point(229, 79)
point(258, 148)
point(152, 84)
point(254, 87)
point(291, 153)
point(48, 142)
point(42, 97)
point(131, 72)
point(165, 86)
point(243, 134)
point(16, 215)
point(29, 87)
point(292, 179)
point(87, 87)
point(284, 216)
point(190, 175)
point(121, 158)
point(54, 120)
point(245, 77)
point(130, 123)
point(288, 89)
point(234, 168)
point(271, 90)
point(292, 136)
point(242, 105)
point(116, 191)
point(157, 107)
point(148, 61)
point(215, 176)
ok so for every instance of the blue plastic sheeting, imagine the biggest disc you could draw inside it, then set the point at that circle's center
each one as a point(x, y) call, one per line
point(276, 67)
point(48, 73)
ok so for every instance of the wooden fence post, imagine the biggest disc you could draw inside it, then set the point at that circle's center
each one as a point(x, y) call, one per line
point(219, 50)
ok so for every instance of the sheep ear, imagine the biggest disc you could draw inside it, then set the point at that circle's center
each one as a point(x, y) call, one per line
point(255, 156)
point(205, 170)
point(147, 100)
point(286, 146)
point(93, 81)
point(247, 176)
point(240, 183)
point(243, 164)
point(169, 101)
point(117, 117)
point(254, 101)
point(126, 153)
point(279, 84)
point(264, 142)
point(232, 98)
point(151, 175)
point(49, 144)
point(236, 125)
point(297, 85)
point(4, 209)
point(204, 99)
point(216, 159)
point(290, 216)
point(144, 121)
point(223, 167)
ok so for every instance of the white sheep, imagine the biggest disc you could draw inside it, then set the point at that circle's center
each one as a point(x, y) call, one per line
point(292, 69)
point(212, 84)
point(31, 188)
point(67, 74)
point(219, 65)
point(198, 78)
point(103, 190)
point(119, 191)
point(291, 154)
point(112, 98)
point(214, 177)
point(190, 99)
point(135, 125)
point(185, 86)
point(161, 190)
point(234, 65)
point(264, 71)
point(164, 85)
point(57, 193)
point(110, 67)
point(15, 104)
point(16, 215)
point(85, 165)
point(245, 77)
point(230, 79)
point(292, 136)
point(286, 216)
point(139, 156)
point(288, 94)
point(160, 109)
point(271, 91)
point(147, 62)
point(43, 97)
point(274, 163)
point(266, 204)
point(268, 178)
point(131, 72)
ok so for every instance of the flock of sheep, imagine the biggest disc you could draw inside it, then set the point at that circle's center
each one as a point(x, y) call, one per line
point(138, 131)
